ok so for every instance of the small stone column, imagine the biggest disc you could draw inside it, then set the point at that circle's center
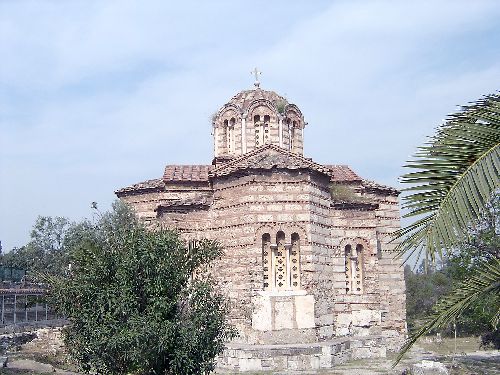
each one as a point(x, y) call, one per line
point(216, 141)
point(280, 130)
point(243, 134)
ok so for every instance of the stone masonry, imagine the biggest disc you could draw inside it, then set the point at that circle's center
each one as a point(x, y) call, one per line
point(308, 264)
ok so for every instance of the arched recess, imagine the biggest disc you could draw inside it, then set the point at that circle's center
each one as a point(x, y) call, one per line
point(355, 252)
point(264, 119)
point(227, 122)
point(281, 263)
point(292, 111)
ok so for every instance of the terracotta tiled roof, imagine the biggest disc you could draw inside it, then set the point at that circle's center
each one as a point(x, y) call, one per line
point(342, 173)
point(269, 157)
point(200, 201)
point(374, 186)
point(155, 184)
point(186, 173)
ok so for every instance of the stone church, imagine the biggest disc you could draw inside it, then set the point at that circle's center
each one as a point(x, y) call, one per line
point(308, 265)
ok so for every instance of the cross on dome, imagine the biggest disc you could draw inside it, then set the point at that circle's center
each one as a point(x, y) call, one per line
point(256, 73)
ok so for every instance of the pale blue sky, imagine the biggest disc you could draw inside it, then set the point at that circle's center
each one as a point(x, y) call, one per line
point(97, 95)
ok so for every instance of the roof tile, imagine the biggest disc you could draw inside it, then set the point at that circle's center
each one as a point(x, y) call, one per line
point(186, 173)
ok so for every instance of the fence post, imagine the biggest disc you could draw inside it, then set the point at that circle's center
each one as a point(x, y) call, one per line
point(15, 306)
point(3, 309)
point(26, 308)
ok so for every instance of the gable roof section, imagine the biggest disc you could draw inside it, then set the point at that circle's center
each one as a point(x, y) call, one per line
point(186, 173)
point(156, 184)
point(268, 157)
point(265, 157)
point(342, 173)
point(374, 187)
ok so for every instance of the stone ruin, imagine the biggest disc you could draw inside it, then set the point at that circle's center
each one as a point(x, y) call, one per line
point(308, 263)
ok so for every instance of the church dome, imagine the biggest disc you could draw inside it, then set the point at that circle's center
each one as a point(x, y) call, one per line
point(244, 99)
point(253, 118)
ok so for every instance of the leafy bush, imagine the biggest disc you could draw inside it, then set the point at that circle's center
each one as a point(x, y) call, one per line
point(140, 301)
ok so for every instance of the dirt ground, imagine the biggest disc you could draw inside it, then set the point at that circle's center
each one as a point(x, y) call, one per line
point(45, 355)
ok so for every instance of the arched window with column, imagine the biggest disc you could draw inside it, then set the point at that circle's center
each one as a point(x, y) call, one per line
point(295, 261)
point(259, 137)
point(354, 267)
point(266, 128)
point(281, 262)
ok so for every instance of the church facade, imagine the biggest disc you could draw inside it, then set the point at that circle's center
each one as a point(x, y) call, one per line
point(308, 263)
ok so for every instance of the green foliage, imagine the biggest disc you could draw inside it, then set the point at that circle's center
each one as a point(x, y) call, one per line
point(483, 284)
point(46, 250)
point(345, 193)
point(464, 290)
point(281, 105)
point(423, 290)
point(482, 245)
point(140, 301)
point(455, 175)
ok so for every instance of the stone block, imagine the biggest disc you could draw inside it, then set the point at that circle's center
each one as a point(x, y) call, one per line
point(262, 313)
point(326, 361)
point(265, 218)
point(250, 364)
point(429, 368)
point(283, 314)
point(304, 311)
point(366, 318)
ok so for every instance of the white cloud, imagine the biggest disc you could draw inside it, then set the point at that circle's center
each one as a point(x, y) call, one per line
point(97, 95)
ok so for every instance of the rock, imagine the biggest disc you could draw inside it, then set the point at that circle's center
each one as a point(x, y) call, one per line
point(429, 368)
point(4, 361)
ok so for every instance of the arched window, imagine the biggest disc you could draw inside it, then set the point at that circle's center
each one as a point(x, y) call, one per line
point(259, 136)
point(225, 135)
point(266, 259)
point(266, 129)
point(354, 255)
point(281, 262)
point(295, 262)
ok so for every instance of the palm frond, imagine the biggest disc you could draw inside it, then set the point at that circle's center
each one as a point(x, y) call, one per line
point(453, 177)
point(485, 283)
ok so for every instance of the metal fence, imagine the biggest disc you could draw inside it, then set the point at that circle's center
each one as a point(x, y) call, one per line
point(20, 307)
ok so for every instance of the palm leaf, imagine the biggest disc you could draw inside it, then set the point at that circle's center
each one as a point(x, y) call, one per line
point(453, 177)
point(485, 283)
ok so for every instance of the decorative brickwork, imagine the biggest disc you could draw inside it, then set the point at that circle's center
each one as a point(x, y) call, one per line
point(302, 267)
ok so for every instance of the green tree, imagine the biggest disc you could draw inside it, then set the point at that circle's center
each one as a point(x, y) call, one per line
point(423, 289)
point(481, 245)
point(46, 251)
point(140, 301)
point(454, 176)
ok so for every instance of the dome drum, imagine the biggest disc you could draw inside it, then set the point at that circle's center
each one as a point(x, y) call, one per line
point(254, 118)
